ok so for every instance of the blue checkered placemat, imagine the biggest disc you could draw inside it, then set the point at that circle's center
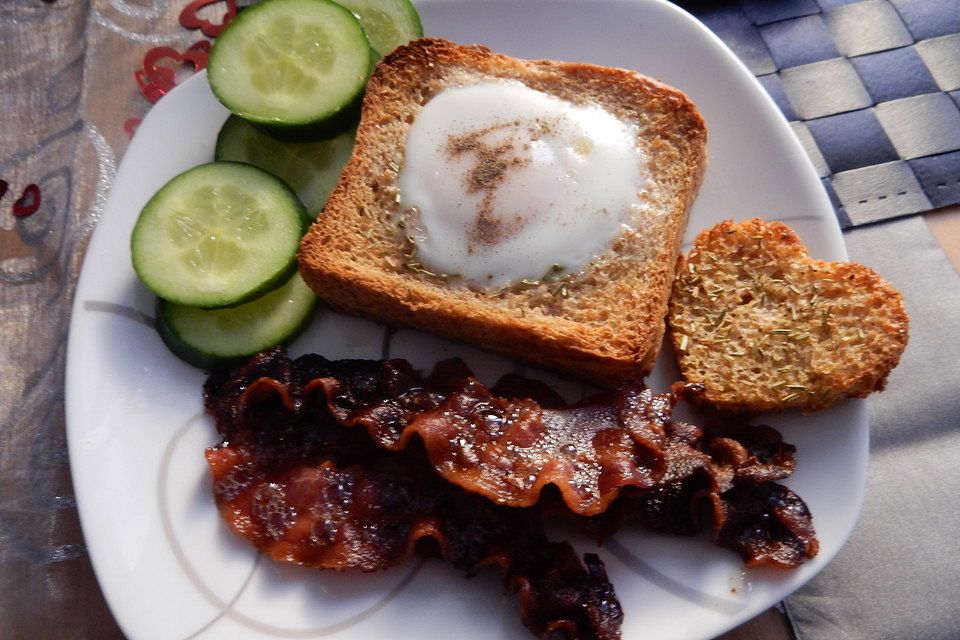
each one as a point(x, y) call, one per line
point(870, 87)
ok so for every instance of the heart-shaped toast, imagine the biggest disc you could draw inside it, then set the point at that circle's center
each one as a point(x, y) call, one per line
point(763, 326)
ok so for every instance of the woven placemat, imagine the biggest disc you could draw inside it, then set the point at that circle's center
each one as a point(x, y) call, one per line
point(870, 87)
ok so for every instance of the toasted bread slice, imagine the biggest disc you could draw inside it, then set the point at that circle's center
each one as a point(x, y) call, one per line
point(605, 324)
point(766, 327)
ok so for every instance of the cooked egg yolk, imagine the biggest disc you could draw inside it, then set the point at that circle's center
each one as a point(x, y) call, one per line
point(506, 183)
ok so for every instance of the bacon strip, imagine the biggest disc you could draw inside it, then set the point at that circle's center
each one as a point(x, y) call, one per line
point(501, 444)
point(319, 465)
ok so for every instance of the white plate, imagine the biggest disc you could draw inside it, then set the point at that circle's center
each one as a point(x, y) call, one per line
point(167, 565)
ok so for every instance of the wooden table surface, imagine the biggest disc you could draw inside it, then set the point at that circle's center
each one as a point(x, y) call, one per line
point(944, 224)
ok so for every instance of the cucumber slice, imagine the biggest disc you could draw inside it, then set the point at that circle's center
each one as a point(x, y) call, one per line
point(310, 168)
point(218, 235)
point(212, 338)
point(292, 67)
point(388, 23)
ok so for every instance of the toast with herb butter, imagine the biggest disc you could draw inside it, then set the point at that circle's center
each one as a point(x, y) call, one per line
point(603, 323)
point(766, 327)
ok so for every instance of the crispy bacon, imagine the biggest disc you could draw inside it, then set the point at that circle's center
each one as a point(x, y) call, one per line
point(304, 489)
point(349, 464)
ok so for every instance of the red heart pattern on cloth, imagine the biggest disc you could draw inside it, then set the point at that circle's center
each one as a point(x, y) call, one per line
point(28, 203)
point(190, 20)
point(130, 125)
point(155, 80)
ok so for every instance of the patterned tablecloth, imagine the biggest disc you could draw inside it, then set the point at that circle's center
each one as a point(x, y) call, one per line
point(871, 88)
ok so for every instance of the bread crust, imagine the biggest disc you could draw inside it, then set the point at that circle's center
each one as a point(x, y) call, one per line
point(766, 327)
point(609, 326)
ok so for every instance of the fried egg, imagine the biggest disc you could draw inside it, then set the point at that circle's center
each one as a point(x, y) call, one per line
point(505, 183)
